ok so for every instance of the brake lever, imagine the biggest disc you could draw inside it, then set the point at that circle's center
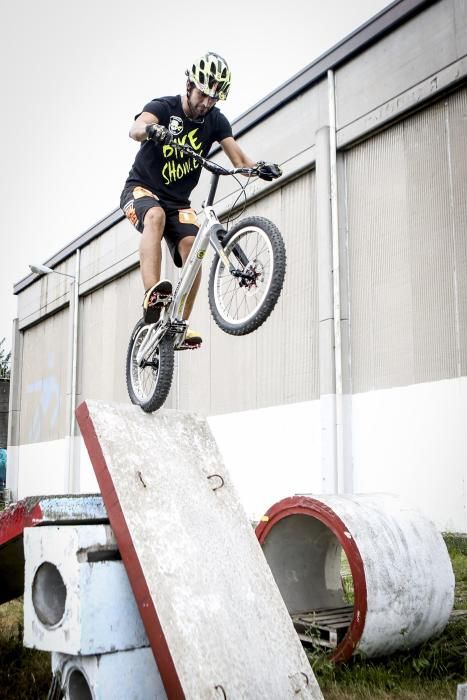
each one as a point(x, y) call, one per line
point(251, 172)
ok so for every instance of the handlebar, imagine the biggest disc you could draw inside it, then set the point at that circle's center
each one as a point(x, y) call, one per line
point(213, 168)
point(218, 170)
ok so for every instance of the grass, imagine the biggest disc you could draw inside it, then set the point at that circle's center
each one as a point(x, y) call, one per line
point(347, 580)
point(24, 673)
point(430, 672)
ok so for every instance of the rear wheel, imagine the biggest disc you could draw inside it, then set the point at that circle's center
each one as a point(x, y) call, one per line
point(241, 301)
point(149, 385)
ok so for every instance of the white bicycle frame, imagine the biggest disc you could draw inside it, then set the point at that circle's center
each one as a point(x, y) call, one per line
point(171, 315)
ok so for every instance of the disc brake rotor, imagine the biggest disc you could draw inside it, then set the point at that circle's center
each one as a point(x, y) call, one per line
point(256, 269)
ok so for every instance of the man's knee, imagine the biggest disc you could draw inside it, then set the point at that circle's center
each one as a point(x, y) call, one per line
point(185, 245)
point(155, 219)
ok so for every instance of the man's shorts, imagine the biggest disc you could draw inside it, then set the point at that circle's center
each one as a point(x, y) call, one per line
point(135, 202)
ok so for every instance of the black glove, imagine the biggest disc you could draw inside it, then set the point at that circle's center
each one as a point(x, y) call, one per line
point(268, 171)
point(158, 134)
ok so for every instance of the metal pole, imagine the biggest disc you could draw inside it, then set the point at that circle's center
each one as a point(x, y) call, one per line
point(73, 486)
point(12, 472)
point(340, 467)
point(327, 374)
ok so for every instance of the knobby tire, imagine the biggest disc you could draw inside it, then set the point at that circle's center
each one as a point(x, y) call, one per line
point(219, 299)
point(162, 375)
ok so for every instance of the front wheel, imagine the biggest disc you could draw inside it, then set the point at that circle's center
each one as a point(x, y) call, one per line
point(149, 385)
point(243, 295)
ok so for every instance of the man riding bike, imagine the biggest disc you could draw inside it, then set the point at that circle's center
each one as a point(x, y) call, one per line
point(156, 196)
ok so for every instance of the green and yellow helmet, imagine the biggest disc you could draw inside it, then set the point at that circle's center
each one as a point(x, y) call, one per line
point(211, 75)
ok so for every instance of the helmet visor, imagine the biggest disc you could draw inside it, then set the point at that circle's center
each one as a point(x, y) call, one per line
point(211, 87)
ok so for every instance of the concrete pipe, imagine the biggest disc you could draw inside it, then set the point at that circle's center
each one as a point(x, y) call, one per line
point(403, 583)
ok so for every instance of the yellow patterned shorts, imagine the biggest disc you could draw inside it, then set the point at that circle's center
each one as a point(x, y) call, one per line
point(136, 201)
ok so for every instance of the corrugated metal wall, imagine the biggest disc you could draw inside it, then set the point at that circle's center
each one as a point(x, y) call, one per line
point(278, 364)
point(406, 192)
point(107, 317)
point(44, 385)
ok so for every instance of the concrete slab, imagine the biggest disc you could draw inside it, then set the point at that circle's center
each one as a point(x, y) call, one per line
point(213, 614)
point(32, 512)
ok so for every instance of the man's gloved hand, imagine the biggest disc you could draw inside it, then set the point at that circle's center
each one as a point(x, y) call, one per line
point(268, 171)
point(158, 134)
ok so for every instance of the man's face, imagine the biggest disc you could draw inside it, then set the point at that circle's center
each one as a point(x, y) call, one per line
point(200, 103)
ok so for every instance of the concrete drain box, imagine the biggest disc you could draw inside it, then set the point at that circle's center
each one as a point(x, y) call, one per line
point(78, 599)
point(120, 676)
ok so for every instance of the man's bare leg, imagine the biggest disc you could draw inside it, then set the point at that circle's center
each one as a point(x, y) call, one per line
point(150, 253)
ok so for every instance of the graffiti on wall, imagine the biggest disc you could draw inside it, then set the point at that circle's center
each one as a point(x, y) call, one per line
point(45, 395)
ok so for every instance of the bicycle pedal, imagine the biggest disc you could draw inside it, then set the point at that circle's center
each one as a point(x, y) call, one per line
point(188, 347)
point(161, 300)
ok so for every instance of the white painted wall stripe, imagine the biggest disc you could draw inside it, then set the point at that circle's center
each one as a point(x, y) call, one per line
point(410, 441)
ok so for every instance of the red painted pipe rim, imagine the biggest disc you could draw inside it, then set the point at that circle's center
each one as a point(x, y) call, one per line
point(306, 505)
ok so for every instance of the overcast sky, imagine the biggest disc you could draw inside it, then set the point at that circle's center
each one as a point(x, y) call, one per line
point(73, 74)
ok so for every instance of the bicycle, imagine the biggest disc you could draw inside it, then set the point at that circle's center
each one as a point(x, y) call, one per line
point(245, 282)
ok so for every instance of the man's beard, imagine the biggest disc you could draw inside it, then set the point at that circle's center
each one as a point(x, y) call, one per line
point(195, 113)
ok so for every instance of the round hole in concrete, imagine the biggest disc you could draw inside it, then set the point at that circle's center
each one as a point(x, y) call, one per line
point(78, 686)
point(314, 577)
point(48, 594)
point(305, 558)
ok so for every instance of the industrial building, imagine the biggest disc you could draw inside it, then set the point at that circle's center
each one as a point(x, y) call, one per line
point(357, 383)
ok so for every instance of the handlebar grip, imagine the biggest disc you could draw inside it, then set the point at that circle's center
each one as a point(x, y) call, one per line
point(268, 171)
point(275, 170)
point(215, 169)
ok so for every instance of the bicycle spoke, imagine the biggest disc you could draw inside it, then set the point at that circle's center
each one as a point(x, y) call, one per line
point(238, 298)
point(145, 377)
point(243, 294)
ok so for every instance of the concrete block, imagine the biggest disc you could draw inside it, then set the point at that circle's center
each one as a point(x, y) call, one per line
point(214, 616)
point(123, 675)
point(77, 597)
point(462, 691)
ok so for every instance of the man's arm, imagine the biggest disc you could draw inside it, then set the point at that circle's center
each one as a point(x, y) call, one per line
point(238, 158)
point(138, 128)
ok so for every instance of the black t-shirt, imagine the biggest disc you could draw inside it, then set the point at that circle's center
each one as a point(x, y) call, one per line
point(170, 174)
